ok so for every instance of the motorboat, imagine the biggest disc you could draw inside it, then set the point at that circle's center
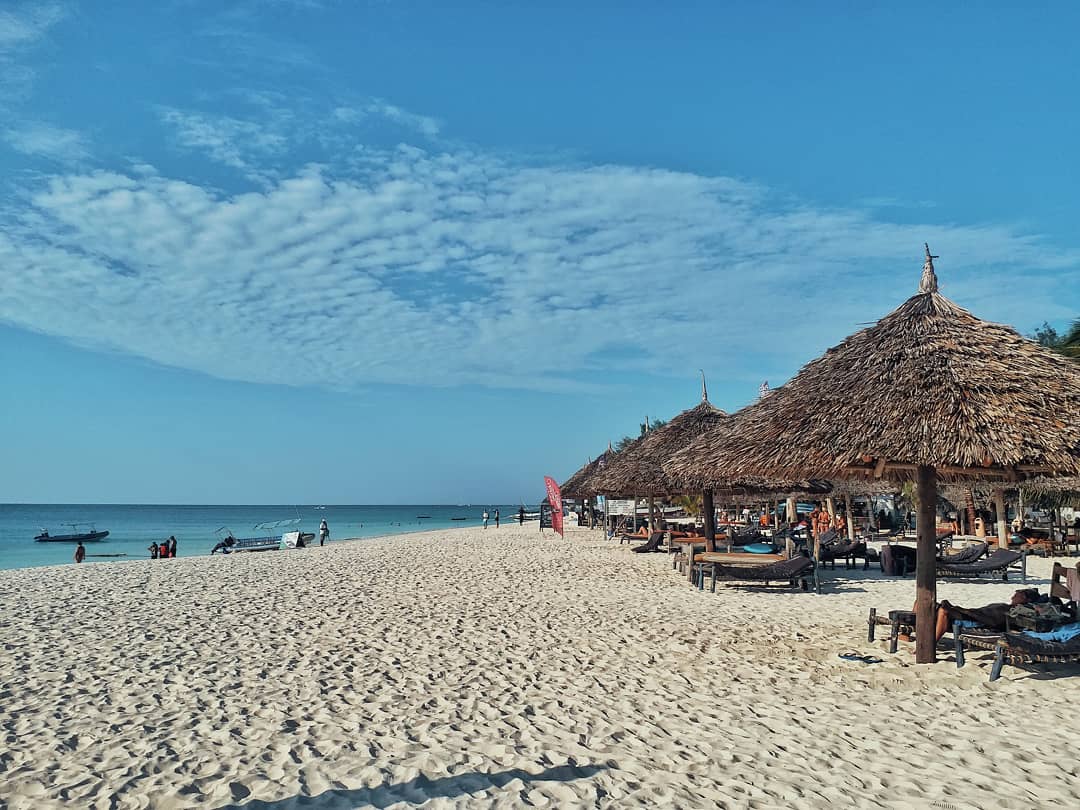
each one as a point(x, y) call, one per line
point(75, 536)
point(269, 537)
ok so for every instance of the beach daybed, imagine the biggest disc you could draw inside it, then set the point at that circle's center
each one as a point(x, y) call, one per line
point(795, 571)
point(998, 562)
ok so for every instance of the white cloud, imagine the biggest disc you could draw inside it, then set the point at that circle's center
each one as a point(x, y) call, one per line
point(243, 145)
point(22, 26)
point(44, 140)
point(460, 267)
point(377, 108)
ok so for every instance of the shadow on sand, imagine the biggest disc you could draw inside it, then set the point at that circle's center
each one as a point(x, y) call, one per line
point(420, 789)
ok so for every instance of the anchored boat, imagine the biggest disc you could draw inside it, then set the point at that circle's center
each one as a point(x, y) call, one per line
point(74, 537)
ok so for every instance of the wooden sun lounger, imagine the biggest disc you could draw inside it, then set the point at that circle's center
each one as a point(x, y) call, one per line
point(998, 562)
point(1016, 648)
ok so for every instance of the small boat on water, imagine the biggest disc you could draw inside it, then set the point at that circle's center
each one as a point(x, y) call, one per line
point(74, 537)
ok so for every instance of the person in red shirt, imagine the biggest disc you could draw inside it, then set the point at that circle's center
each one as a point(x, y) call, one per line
point(80, 552)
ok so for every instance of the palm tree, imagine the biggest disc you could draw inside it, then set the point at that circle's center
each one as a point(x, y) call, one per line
point(1070, 344)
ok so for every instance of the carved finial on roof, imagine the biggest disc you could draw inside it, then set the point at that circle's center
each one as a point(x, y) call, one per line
point(704, 390)
point(929, 277)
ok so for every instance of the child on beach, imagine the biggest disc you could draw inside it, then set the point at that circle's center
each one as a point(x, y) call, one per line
point(80, 552)
point(153, 549)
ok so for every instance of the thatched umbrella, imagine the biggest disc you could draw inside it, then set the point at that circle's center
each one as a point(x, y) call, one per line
point(581, 485)
point(928, 391)
point(638, 470)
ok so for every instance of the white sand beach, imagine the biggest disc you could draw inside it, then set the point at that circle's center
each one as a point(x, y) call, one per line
point(472, 668)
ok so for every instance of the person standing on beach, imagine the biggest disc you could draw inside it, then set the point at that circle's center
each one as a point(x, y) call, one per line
point(521, 516)
point(153, 551)
point(324, 532)
point(485, 518)
point(163, 550)
point(496, 518)
point(172, 546)
point(80, 552)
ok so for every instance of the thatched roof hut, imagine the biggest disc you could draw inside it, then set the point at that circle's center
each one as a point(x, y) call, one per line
point(580, 484)
point(928, 390)
point(927, 384)
point(638, 470)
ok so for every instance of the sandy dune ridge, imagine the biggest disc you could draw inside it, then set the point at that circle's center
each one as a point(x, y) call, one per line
point(498, 669)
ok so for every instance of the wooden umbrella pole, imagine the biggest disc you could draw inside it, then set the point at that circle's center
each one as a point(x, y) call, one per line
point(849, 517)
point(926, 567)
point(709, 514)
point(1002, 526)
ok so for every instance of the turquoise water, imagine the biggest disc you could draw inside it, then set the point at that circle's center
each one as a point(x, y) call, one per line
point(132, 527)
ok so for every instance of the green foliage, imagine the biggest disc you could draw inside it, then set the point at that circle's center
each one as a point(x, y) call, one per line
point(691, 504)
point(1046, 335)
point(626, 441)
point(1068, 344)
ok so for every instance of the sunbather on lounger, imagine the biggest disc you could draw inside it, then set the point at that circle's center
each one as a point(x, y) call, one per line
point(992, 616)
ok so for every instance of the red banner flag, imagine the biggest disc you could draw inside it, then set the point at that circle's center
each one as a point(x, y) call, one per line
point(555, 499)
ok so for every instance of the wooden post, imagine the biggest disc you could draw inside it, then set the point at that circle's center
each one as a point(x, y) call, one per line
point(849, 517)
point(792, 512)
point(1002, 524)
point(926, 566)
point(652, 515)
point(830, 507)
point(709, 514)
point(969, 510)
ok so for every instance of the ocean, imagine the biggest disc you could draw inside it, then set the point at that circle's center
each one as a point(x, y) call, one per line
point(132, 527)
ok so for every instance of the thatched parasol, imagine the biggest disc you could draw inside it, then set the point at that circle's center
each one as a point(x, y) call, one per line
point(638, 470)
point(579, 484)
point(929, 390)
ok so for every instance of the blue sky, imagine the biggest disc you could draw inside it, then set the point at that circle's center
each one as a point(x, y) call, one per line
point(301, 251)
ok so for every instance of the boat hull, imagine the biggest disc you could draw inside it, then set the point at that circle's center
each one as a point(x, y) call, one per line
point(88, 537)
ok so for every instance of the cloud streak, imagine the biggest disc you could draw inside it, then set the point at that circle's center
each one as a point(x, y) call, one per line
point(457, 266)
point(22, 26)
point(39, 139)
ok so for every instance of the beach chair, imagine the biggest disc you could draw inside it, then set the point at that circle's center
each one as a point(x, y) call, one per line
point(998, 562)
point(834, 547)
point(1016, 649)
point(796, 572)
point(640, 534)
point(651, 545)
point(968, 554)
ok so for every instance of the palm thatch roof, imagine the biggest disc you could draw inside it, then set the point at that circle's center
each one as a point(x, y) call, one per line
point(928, 384)
point(579, 485)
point(638, 469)
point(1053, 492)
